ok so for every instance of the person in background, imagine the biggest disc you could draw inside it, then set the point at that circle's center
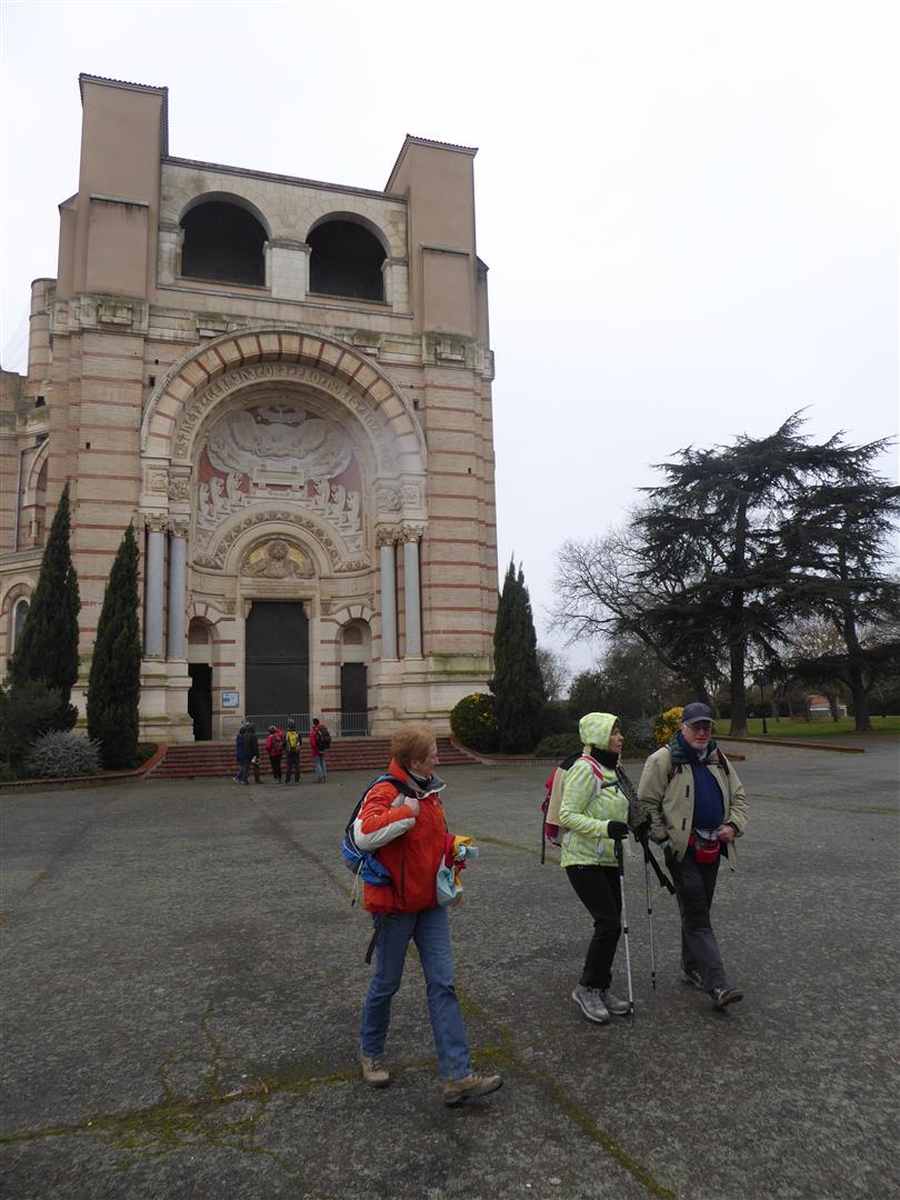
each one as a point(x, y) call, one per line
point(407, 909)
point(696, 807)
point(240, 754)
point(292, 742)
point(251, 752)
point(318, 746)
point(275, 749)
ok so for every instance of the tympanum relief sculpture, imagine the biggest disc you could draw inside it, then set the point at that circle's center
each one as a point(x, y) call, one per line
point(279, 452)
point(277, 560)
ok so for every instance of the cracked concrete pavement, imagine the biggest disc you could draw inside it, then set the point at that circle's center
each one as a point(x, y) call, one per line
point(183, 973)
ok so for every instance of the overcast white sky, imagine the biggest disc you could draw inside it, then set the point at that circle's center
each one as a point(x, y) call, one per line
point(689, 209)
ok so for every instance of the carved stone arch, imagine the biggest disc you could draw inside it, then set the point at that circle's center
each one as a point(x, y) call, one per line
point(202, 610)
point(353, 219)
point(20, 589)
point(198, 380)
point(241, 533)
point(226, 198)
point(34, 471)
point(352, 612)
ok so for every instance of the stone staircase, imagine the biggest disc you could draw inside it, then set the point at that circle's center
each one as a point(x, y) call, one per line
point(216, 759)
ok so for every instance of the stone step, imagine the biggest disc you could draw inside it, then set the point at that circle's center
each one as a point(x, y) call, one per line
point(216, 759)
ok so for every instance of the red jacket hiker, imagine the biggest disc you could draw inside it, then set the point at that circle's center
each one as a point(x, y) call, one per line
point(412, 859)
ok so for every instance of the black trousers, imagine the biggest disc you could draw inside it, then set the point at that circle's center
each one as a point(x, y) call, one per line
point(598, 890)
point(695, 886)
point(293, 766)
point(275, 760)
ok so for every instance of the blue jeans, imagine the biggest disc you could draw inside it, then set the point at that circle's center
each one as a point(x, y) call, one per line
point(319, 767)
point(430, 930)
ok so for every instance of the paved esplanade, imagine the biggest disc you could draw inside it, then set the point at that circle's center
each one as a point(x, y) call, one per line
point(183, 978)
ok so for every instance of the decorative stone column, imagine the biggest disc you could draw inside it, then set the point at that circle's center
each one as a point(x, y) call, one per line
point(412, 592)
point(154, 574)
point(384, 539)
point(177, 588)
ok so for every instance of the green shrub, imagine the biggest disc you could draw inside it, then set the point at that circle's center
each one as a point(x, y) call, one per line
point(474, 722)
point(558, 745)
point(56, 754)
point(556, 718)
point(28, 710)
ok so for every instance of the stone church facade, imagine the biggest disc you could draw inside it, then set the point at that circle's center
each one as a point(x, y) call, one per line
point(286, 386)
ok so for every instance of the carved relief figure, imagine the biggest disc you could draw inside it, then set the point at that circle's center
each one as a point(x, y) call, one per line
point(277, 560)
point(256, 454)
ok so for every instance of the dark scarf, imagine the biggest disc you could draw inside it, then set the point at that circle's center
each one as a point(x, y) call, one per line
point(606, 758)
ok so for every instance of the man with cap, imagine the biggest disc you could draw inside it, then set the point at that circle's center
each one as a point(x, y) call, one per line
point(696, 807)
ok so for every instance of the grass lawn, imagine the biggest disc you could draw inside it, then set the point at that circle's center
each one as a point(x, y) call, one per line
point(810, 729)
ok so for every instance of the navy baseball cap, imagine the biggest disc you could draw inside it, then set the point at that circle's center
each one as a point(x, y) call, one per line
point(696, 712)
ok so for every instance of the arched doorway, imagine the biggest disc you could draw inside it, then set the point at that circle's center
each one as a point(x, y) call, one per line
point(356, 641)
point(200, 671)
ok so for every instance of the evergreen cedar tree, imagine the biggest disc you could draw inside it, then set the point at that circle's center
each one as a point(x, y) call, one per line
point(517, 685)
point(115, 679)
point(736, 543)
point(836, 539)
point(47, 650)
point(712, 535)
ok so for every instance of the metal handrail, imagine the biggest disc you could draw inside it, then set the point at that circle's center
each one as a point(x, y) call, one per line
point(348, 724)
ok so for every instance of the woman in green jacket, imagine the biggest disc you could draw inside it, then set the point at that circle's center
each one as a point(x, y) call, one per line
point(593, 813)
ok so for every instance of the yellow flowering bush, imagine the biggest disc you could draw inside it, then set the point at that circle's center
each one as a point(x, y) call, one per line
point(667, 725)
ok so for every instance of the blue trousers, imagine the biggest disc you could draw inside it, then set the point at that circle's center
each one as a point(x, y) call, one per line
point(430, 930)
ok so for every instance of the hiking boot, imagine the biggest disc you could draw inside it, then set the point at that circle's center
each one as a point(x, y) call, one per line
point(616, 1005)
point(722, 997)
point(691, 976)
point(459, 1091)
point(590, 1001)
point(374, 1072)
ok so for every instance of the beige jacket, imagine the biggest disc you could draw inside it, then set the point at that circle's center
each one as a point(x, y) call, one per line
point(666, 796)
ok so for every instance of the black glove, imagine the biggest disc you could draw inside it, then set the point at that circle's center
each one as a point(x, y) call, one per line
point(617, 830)
point(642, 831)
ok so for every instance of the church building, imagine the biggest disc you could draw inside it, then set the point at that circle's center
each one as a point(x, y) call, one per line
point(285, 386)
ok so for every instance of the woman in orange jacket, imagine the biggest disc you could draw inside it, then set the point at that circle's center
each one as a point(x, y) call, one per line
point(407, 908)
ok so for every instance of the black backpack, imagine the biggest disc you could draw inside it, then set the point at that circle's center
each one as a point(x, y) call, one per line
point(323, 737)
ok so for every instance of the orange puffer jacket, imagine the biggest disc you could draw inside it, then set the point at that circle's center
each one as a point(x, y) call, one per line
point(414, 857)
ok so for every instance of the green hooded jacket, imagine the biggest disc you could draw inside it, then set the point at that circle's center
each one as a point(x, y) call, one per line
point(585, 809)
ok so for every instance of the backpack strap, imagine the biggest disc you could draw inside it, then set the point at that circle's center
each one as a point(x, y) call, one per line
point(400, 784)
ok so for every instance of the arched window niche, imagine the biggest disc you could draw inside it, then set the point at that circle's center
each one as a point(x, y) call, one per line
point(346, 259)
point(19, 614)
point(223, 243)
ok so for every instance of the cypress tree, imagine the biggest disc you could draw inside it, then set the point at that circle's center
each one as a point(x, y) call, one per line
point(517, 685)
point(115, 680)
point(47, 650)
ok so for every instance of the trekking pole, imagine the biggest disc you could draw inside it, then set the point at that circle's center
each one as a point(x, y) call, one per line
point(650, 917)
point(621, 861)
